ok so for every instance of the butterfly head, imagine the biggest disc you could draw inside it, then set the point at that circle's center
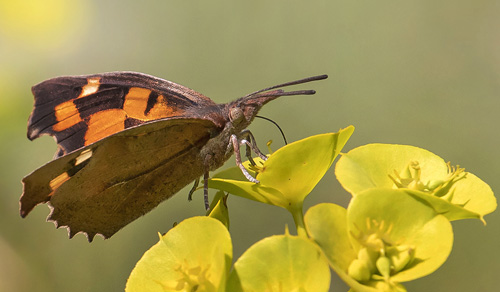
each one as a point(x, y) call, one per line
point(242, 111)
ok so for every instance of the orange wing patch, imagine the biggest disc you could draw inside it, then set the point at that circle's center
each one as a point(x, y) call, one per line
point(67, 115)
point(103, 124)
point(136, 105)
point(160, 109)
point(58, 181)
point(139, 103)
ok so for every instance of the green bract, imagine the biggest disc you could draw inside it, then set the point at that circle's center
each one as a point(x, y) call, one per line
point(327, 225)
point(384, 219)
point(218, 208)
point(193, 256)
point(377, 243)
point(290, 173)
point(450, 190)
point(281, 263)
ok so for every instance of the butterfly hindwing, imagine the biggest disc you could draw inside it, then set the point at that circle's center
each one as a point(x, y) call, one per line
point(103, 187)
point(80, 110)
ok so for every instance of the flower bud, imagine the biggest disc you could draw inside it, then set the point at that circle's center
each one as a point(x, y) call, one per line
point(359, 271)
point(384, 266)
point(400, 256)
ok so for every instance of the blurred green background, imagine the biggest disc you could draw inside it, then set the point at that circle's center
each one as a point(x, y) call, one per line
point(425, 73)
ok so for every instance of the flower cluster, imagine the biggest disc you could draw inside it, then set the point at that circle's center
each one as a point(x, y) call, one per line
point(395, 229)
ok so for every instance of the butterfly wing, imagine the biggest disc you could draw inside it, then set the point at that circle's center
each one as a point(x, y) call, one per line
point(104, 186)
point(80, 110)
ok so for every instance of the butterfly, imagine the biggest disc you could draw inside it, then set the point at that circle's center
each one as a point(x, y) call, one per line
point(128, 141)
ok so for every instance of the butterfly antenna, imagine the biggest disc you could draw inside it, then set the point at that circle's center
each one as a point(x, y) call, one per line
point(299, 92)
point(276, 124)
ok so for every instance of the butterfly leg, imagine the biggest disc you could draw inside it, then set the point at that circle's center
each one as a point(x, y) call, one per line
point(193, 189)
point(248, 152)
point(236, 146)
point(248, 138)
point(205, 189)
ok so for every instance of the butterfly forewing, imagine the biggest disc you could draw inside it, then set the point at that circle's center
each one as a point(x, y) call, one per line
point(80, 110)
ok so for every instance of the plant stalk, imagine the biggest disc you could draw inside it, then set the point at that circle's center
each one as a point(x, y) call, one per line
point(298, 218)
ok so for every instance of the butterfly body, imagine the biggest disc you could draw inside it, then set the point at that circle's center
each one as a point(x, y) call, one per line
point(126, 142)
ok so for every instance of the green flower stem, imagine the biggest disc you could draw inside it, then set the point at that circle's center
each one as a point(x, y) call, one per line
point(298, 218)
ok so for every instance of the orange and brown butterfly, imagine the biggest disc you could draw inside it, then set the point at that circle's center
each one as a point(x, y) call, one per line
point(128, 141)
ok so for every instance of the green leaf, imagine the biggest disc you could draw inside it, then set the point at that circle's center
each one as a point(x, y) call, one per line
point(195, 254)
point(281, 263)
point(450, 190)
point(290, 173)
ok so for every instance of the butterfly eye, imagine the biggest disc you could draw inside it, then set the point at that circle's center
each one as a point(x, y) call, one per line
point(235, 115)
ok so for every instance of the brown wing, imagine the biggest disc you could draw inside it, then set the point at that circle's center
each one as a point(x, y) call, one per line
point(105, 186)
point(80, 110)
